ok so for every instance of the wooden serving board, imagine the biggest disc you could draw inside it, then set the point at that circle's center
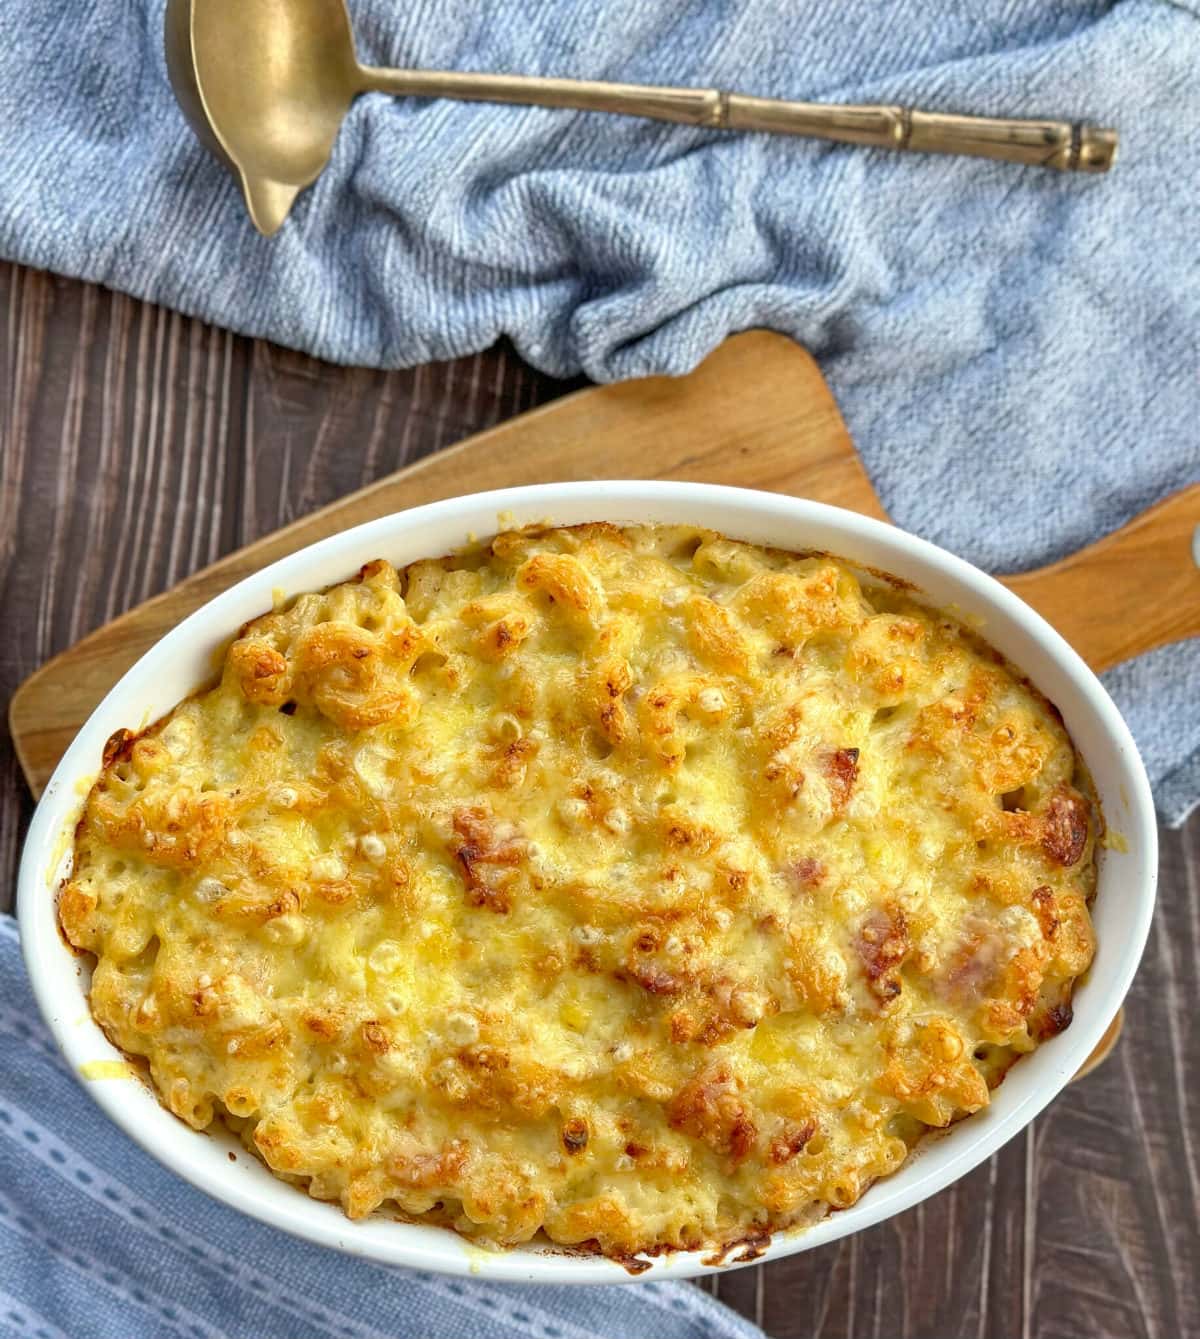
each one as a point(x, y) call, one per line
point(758, 414)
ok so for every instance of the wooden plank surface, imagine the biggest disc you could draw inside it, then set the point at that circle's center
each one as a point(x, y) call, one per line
point(137, 446)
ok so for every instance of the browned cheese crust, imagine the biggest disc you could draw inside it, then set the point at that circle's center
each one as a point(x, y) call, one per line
point(635, 886)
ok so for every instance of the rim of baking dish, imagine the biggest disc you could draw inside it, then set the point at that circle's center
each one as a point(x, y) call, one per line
point(786, 522)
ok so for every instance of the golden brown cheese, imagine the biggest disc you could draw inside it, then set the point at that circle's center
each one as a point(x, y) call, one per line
point(638, 886)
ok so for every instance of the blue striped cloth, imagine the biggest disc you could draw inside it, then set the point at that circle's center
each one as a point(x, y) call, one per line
point(98, 1241)
point(1014, 349)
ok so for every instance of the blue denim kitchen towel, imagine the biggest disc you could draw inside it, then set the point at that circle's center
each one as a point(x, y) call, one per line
point(98, 1241)
point(1015, 350)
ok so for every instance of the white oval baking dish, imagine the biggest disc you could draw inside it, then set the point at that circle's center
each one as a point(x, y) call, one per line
point(183, 660)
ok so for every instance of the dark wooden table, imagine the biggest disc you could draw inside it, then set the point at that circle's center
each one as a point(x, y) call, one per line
point(137, 445)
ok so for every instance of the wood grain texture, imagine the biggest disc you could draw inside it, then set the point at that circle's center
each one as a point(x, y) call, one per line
point(1098, 597)
point(136, 446)
point(757, 413)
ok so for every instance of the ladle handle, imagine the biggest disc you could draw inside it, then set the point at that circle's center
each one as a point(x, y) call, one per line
point(1056, 144)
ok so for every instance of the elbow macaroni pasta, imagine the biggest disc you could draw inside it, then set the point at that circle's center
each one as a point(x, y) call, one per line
point(634, 886)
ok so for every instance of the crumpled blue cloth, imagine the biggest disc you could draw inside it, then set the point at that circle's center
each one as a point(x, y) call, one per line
point(98, 1241)
point(1014, 349)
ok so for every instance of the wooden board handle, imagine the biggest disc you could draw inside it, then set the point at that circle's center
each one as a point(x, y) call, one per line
point(1130, 592)
point(1104, 1047)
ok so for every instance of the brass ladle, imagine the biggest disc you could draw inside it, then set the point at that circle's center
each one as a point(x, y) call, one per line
point(266, 84)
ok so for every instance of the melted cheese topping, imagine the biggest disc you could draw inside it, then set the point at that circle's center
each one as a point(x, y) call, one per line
point(638, 886)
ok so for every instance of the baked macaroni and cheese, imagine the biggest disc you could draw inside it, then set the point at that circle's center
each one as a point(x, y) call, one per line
point(633, 886)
